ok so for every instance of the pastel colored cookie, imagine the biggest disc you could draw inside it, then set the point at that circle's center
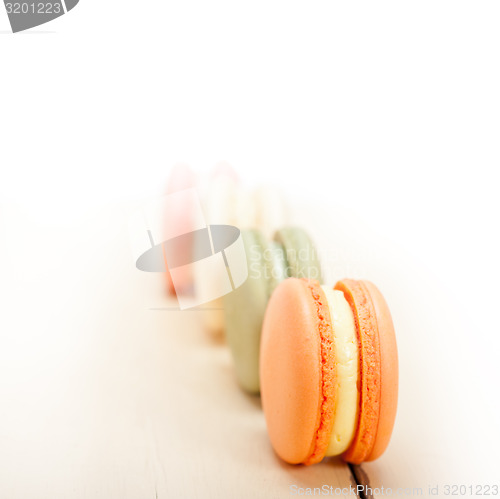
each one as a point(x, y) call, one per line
point(220, 205)
point(179, 214)
point(271, 210)
point(244, 307)
point(300, 253)
point(378, 366)
point(269, 262)
point(329, 371)
point(227, 201)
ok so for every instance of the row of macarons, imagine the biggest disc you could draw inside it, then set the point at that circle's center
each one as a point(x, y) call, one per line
point(323, 358)
point(226, 200)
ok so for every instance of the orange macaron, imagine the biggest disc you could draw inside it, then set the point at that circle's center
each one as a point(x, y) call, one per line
point(329, 371)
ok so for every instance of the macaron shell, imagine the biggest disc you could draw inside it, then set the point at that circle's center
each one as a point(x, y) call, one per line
point(180, 215)
point(291, 371)
point(221, 197)
point(359, 299)
point(271, 209)
point(224, 169)
point(329, 382)
point(181, 177)
point(388, 372)
point(300, 252)
point(245, 209)
point(220, 208)
point(244, 312)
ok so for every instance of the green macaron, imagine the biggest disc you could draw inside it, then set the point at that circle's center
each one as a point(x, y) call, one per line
point(300, 253)
point(290, 254)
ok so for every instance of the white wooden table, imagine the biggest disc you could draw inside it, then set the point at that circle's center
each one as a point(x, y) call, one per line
point(105, 394)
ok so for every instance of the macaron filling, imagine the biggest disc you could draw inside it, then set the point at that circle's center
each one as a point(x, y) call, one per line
point(347, 370)
point(359, 298)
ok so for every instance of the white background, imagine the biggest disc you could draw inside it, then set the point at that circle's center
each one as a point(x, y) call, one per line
point(388, 110)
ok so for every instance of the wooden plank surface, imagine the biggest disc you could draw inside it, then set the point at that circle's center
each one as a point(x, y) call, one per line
point(104, 396)
point(107, 394)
